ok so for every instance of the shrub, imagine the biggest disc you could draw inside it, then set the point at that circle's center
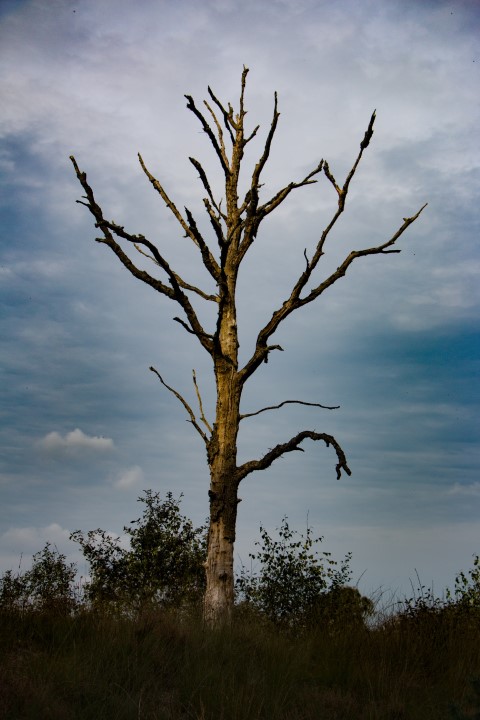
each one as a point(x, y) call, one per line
point(467, 588)
point(47, 587)
point(163, 566)
point(342, 607)
point(292, 577)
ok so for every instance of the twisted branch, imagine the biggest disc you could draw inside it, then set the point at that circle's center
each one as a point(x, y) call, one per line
point(290, 446)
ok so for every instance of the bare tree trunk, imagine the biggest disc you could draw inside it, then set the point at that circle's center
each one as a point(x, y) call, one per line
point(235, 230)
point(222, 460)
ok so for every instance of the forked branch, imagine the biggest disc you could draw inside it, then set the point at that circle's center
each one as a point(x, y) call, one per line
point(174, 292)
point(220, 151)
point(189, 227)
point(187, 407)
point(295, 300)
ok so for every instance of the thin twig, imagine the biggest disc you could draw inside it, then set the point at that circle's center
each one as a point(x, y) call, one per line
point(200, 405)
point(290, 402)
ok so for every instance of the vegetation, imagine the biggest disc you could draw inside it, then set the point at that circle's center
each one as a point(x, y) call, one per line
point(91, 652)
point(294, 579)
point(163, 566)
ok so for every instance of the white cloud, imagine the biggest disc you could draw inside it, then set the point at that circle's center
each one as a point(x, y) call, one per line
point(31, 538)
point(129, 478)
point(467, 490)
point(19, 544)
point(75, 440)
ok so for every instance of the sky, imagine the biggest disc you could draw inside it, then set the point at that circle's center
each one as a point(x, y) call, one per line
point(86, 428)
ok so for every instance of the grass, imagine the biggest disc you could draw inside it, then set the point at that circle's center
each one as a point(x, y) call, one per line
point(163, 667)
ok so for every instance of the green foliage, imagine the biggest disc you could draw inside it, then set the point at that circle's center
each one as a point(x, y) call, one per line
point(47, 587)
point(163, 565)
point(467, 589)
point(13, 592)
point(292, 577)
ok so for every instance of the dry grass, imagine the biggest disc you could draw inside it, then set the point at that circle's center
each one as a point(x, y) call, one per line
point(161, 667)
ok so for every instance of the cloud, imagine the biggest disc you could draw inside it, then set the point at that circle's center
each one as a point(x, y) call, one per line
point(19, 544)
point(129, 478)
point(75, 440)
point(466, 490)
point(31, 538)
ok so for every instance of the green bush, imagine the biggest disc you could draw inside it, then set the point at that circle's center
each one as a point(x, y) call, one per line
point(47, 587)
point(163, 566)
point(292, 578)
point(467, 588)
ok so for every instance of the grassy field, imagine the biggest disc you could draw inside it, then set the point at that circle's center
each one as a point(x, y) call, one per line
point(92, 666)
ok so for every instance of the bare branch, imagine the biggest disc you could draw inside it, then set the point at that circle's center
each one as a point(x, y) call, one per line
point(289, 402)
point(171, 205)
point(227, 116)
point(158, 259)
point(328, 174)
point(191, 231)
point(245, 72)
point(185, 405)
point(200, 405)
point(342, 269)
point(206, 185)
point(291, 446)
point(252, 135)
point(215, 220)
point(256, 214)
point(211, 136)
point(174, 292)
point(295, 301)
point(192, 332)
point(268, 144)
point(184, 285)
point(219, 131)
point(282, 194)
point(369, 132)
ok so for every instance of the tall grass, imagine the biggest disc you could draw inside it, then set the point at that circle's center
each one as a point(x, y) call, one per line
point(165, 666)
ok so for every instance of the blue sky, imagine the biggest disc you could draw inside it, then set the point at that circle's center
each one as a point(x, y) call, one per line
point(85, 427)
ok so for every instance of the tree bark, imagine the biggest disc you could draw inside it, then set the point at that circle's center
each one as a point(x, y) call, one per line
point(222, 460)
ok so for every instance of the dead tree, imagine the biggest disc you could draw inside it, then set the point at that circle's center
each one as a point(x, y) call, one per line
point(235, 227)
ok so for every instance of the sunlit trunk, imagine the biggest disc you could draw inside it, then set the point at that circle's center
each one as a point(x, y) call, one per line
point(222, 460)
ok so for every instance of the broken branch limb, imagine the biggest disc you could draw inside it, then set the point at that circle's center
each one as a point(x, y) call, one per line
point(193, 332)
point(293, 445)
point(187, 407)
point(290, 402)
